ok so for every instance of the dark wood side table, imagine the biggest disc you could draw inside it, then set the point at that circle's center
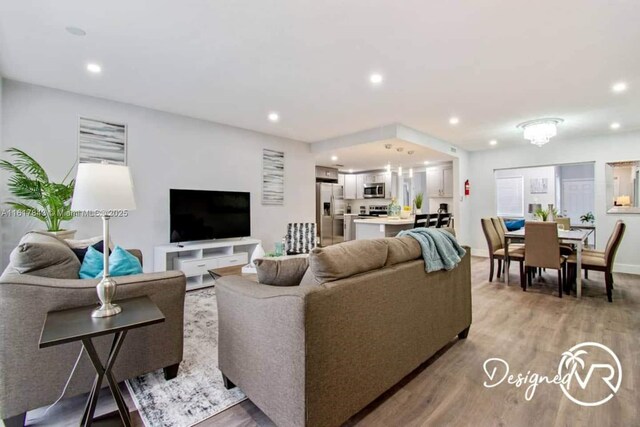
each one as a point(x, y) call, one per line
point(76, 324)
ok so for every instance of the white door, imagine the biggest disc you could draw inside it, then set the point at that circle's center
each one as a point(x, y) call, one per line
point(577, 198)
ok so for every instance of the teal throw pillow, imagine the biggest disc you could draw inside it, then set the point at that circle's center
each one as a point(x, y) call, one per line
point(121, 263)
point(92, 264)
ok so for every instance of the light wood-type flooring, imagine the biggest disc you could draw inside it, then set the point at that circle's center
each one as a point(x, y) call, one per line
point(530, 330)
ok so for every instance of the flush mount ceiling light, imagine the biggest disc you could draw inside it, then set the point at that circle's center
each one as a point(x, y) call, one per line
point(376, 78)
point(540, 131)
point(619, 87)
point(94, 68)
point(426, 162)
point(274, 117)
point(334, 158)
point(454, 121)
point(76, 31)
point(493, 142)
point(615, 125)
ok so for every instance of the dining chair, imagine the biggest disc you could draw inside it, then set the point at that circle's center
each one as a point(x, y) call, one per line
point(565, 222)
point(496, 249)
point(443, 220)
point(543, 251)
point(601, 261)
point(421, 220)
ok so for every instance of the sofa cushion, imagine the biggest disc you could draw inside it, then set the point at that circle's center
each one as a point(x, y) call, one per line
point(347, 259)
point(286, 271)
point(402, 249)
point(50, 259)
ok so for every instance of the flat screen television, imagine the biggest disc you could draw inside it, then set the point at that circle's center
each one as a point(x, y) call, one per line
point(206, 215)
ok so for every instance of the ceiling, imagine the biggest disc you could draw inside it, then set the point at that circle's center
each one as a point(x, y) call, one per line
point(493, 63)
point(375, 156)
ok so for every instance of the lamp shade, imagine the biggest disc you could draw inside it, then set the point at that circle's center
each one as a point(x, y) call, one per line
point(103, 187)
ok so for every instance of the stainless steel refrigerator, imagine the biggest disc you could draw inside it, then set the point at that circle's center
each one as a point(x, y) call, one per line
point(330, 213)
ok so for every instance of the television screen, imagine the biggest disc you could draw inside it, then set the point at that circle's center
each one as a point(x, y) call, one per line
point(206, 215)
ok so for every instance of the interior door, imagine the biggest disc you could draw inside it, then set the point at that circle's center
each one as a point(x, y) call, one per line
point(577, 198)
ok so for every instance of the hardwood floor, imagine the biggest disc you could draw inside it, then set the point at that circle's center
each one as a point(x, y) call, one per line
point(529, 330)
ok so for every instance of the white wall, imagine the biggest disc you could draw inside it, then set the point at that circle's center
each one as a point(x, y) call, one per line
point(164, 151)
point(603, 149)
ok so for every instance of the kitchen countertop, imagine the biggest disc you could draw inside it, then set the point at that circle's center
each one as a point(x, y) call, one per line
point(385, 221)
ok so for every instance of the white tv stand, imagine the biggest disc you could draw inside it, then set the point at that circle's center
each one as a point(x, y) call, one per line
point(196, 259)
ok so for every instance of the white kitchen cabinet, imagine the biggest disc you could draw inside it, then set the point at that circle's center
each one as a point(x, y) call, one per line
point(440, 182)
point(447, 182)
point(350, 187)
point(360, 181)
point(341, 179)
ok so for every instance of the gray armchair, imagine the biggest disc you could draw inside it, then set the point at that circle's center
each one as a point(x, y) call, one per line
point(31, 377)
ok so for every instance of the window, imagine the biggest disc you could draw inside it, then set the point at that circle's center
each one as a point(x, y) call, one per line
point(510, 196)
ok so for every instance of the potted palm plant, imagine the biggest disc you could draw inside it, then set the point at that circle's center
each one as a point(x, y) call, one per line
point(37, 196)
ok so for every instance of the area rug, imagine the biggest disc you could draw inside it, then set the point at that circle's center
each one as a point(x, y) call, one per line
point(197, 393)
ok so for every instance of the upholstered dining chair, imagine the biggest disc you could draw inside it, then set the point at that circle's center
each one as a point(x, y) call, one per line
point(543, 251)
point(601, 261)
point(300, 238)
point(496, 249)
point(421, 220)
point(564, 222)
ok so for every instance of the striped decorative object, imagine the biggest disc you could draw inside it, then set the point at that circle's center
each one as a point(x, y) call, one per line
point(301, 238)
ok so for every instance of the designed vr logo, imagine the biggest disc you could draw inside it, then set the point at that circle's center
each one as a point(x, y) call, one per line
point(589, 374)
point(591, 365)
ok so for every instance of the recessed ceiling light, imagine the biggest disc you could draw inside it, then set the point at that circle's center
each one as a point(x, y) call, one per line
point(454, 121)
point(350, 170)
point(334, 158)
point(426, 162)
point(375, 78)
point(76, 31)
point(619, 87)
point(615, 125)
point(94, 68)
point(274, 117)
point(493, 142)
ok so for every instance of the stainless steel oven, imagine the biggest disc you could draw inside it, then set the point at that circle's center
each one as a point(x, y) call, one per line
point(374, 191)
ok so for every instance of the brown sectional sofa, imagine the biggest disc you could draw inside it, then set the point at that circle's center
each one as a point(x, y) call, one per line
point(365, 315)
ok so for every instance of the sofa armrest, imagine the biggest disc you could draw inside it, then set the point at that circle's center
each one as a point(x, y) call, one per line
point(261, 344)
point(32, 377)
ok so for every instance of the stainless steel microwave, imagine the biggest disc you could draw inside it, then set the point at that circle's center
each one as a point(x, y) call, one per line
point(374, 191)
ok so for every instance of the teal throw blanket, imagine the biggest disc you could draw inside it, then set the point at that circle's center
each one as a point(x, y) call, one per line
point(440, 249)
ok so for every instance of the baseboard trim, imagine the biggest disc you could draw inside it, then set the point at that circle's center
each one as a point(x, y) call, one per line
point(480, 252)
point(618, 268)
point(626, 268)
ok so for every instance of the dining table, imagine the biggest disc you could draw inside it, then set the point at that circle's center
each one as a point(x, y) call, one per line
point(576, 237)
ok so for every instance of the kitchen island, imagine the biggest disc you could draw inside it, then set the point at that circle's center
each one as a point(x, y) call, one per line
point(374, 228)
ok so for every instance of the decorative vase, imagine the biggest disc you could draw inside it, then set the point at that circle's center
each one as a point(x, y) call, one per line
point(394, 209)
point(550, 216)
point(404, 214)
point(63, 234)
point(258, 252)
point(418, 211)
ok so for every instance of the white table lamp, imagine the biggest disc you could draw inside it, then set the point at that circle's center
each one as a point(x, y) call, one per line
point(104, 189)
